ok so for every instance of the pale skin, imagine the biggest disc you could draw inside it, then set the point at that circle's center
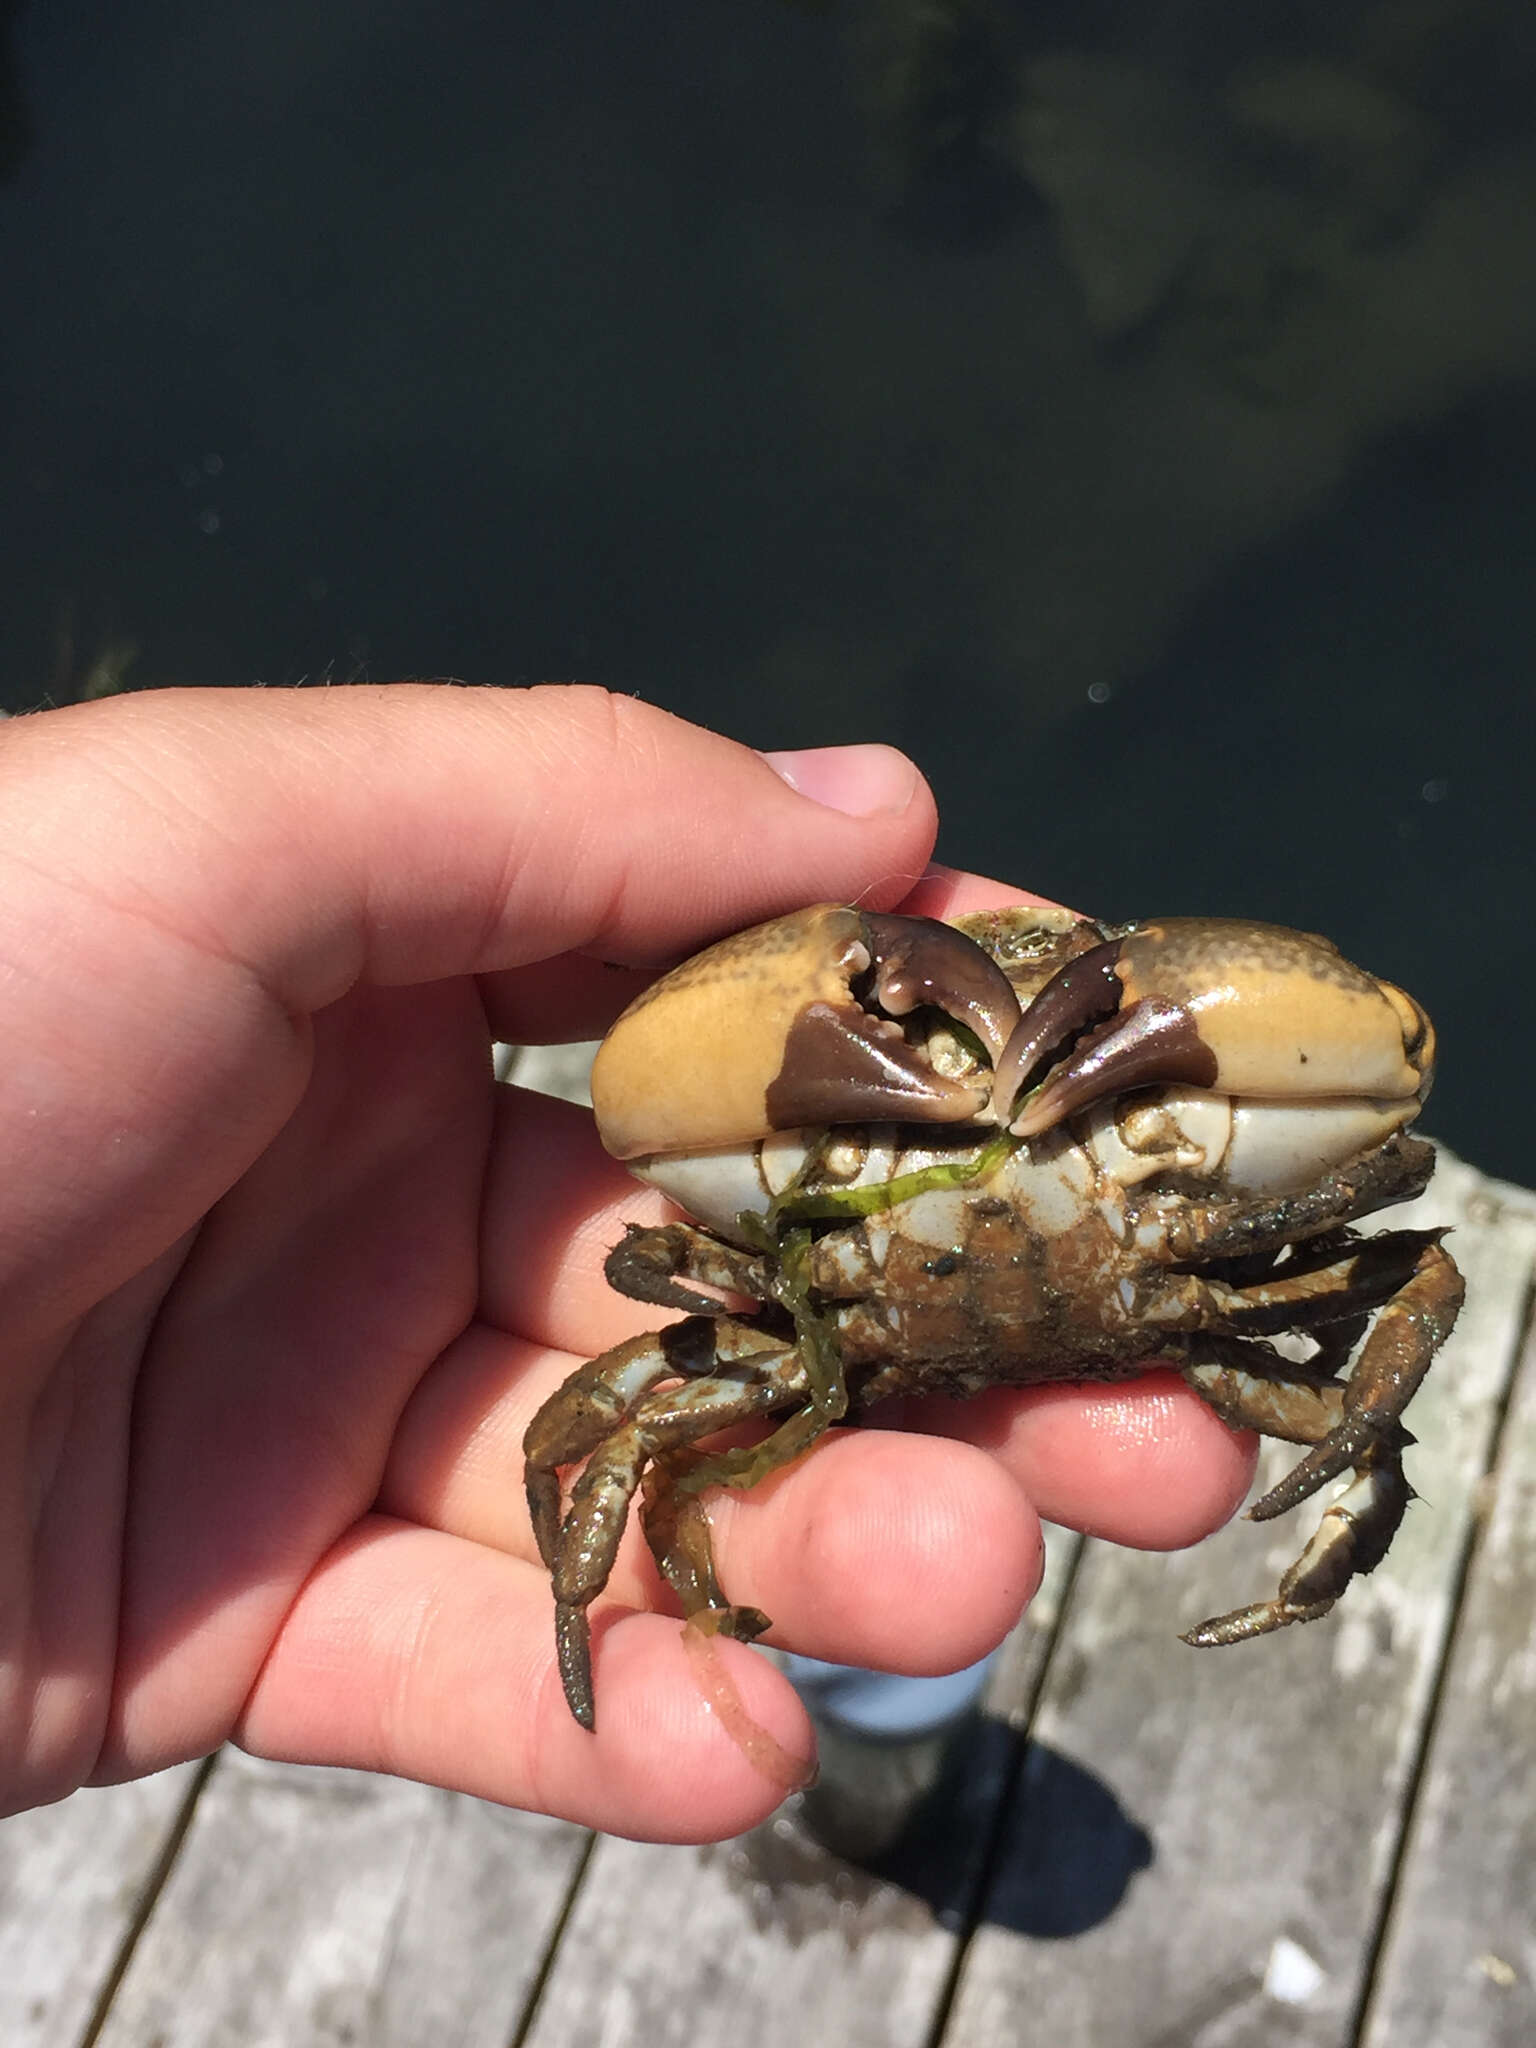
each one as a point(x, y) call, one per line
point(284, 1274)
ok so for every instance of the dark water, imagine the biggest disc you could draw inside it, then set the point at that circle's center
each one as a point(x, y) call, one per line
point(1127, 408)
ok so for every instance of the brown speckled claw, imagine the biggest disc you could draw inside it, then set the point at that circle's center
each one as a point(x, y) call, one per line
point(1077, 995)
point(1151, 1043)
point(845, 1061)
point(1251, 1009)
point(842, 1065)
point(786, 1031)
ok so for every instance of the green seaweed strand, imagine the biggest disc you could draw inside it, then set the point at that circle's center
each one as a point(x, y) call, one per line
point(747, 1465)
point(800, 1205)
point(784, 1233)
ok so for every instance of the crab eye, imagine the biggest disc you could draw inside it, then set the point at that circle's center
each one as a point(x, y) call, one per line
point(795, 1023)
point(1252, 1010)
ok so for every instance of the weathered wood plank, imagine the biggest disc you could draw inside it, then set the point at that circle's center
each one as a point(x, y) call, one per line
point(312, 1907)
point(73, 1879)
point(769, 1939)
point(1458, 1969)
point(761, 1942)
point(1261, 1785)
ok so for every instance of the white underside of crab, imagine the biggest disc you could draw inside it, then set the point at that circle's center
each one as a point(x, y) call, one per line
point(1243, 1147)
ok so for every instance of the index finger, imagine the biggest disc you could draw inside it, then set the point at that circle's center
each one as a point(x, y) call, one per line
point(213, 867)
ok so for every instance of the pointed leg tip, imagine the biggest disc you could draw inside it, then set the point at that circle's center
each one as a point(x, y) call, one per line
point(1246, 1624)
point(573, 1652)
point(1324, 1463)
point(745, 1624)
point(1240, 1626)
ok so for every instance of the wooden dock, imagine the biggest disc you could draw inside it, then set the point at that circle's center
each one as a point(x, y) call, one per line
point(1326, 1840)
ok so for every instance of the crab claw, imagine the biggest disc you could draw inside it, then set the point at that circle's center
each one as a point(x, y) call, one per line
point(793, 1023)
point(1252, 1010)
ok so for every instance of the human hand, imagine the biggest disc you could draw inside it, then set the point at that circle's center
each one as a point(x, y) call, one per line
point(283, 1275)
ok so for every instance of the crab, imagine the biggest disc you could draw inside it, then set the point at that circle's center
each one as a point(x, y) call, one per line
point(1022, 1147)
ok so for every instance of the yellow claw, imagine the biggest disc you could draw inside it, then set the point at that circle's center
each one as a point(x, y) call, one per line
point(792, 1024)
point(1253, 1011)
point(1283, 1012)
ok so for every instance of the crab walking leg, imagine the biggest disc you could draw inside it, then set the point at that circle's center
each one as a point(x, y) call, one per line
point(742, 1388)
point(576, 1418)
point(1252, 1387)
point(677, 1524)
point(1352, 1538)
point(1200, 1231)
point(1357, 1528)
point(1407, 1333)
point(1301, 1295)
point(597, 1399)
point(676, 1527)
point(645, 1265)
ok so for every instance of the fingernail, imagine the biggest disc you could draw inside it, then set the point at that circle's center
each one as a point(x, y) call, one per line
point(861, 781)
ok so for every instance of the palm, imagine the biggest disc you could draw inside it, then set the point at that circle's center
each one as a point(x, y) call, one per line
point(272, 1377)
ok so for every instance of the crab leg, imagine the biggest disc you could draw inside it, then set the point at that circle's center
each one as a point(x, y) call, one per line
point(1352, 1538)
point(1196, 1231)
point(677, 1526)
point(645, 1265)
point(1357, 1528)
point(1399, 1351)
point(731, 1373)
point(1300, 1294)
point(576, 1418)
point(1252, 1387)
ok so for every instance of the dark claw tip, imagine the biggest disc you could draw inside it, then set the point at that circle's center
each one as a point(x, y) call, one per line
point(917, 961)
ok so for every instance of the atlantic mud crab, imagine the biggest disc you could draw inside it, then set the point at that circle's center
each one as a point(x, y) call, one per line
point(1022, 1147)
